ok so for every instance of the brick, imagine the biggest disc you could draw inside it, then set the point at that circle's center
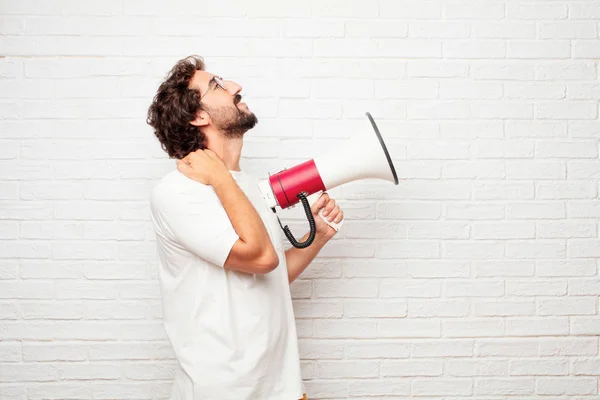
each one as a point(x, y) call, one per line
point(503, 268)
point(566, 307)
point(474, 211)
point(503, 230)
point(585, 49)
point(402, 289)
point(472, 249)
point(567, 110)
point(536, 249)
point(321, 349)
point(346, 288)
point(532, 11)
point(537, 210)
point(375, 309)
point(347, 369)
point(370, 349)
point(516, 170)
point(538, 49)
point(474, 49)
point(536, 288)
point(370, 28)
point(443, 348)
point(503, 30)
point(565, 70)
point(438, 308)
point(318, 308)
point(507, 347)
point(537, 326)
point(10, 352)
point(472, 368)
point(585, 326)
point(561, 268)
point(50, 311)
point(413, 328)
point(565, 347)
point(149, 372)
point(537, 129)
point(481, 288)
point(345, 329)
point(503, 308)
point(474, 10)
point(411, 368)
point(567, 229)
point(567, 386)
point(413, 48)
point(412, 10)
point(438, 269)
point(584, 10)
point(586, 367)
point(437, 29)
point(567, 30)
point(412, 210)
point(435, 68)
point(506, 386)
point(535, 91)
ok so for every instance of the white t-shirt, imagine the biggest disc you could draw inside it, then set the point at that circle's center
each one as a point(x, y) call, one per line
point(233, 333)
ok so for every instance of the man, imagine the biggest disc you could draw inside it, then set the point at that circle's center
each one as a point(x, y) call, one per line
point(224, 271)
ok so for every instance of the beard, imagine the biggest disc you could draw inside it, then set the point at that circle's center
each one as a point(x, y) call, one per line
point(231, 120)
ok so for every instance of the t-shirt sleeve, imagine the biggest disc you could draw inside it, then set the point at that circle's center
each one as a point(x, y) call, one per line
point(198, 222)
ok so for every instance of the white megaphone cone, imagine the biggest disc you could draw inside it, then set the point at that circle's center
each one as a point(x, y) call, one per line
point(364, 156)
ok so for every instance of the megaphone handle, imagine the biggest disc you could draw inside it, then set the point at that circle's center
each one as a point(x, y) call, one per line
point(334, 225)
point(311, 223)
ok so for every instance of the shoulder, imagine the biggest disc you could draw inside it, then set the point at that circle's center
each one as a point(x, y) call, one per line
point(175, 190)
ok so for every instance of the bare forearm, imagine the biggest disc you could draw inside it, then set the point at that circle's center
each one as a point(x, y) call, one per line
point(243, 216)
point(298, 260)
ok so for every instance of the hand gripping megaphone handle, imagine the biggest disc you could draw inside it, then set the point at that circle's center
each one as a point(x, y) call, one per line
point(334, 225)
point(311, 223)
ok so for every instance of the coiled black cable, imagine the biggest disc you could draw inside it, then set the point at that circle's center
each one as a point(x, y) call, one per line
point(311, 223)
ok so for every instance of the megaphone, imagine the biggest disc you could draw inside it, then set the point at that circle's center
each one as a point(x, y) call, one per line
point(362, 157)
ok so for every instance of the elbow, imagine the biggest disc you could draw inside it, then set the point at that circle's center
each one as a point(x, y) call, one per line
point(267, 262)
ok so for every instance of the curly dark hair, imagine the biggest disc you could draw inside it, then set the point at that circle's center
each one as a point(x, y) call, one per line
point(174, 106)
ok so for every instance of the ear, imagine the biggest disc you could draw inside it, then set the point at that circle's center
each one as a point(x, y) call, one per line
point(202, 119)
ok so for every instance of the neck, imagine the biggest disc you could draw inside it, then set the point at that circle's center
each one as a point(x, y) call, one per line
point(228, 150)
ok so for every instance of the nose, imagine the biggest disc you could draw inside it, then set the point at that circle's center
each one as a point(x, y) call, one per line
point(233, 87)
point(237, 88)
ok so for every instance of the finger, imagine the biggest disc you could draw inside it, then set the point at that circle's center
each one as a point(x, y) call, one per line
point(187, 159)
point(333, 213)
point(195, 155)
point(329, 207)
point(182, 166)
point(209, 153)
point(339, 217)
point(320, 203)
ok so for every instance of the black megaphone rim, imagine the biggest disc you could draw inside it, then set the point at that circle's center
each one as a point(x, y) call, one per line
point(385, 150)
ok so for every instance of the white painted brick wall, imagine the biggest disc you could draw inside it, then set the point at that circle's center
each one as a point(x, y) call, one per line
point(476, 277)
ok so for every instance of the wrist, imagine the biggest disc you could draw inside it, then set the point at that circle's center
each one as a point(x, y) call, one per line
point(221, 179)
point(322, 238)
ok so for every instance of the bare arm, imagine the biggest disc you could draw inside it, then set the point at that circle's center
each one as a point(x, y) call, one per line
point(298, 260)
point(253, 252)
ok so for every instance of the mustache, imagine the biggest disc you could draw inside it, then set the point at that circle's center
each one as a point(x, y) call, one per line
point(237, 99)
